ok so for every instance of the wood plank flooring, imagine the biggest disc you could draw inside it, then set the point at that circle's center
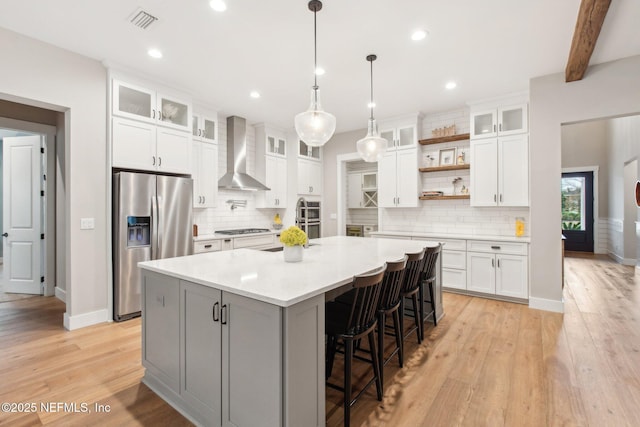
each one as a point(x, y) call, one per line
point(488, 363)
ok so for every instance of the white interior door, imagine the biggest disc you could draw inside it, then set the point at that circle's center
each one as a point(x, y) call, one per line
point(21, 214)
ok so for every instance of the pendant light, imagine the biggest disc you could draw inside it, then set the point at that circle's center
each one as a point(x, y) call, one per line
point(372, 147)
point(315, 126)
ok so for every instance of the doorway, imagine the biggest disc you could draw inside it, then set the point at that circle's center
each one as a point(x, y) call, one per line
point(577, 211)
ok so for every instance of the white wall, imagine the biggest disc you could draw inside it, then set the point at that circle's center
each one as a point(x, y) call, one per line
point(42, 75)
point(607, 90)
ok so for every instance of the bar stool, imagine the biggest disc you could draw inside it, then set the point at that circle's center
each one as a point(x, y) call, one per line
point(389, 304)
point(349, 323)
point(428, 279)
point(411, 289)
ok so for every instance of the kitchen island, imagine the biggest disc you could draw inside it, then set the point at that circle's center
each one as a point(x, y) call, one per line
point(236, 338)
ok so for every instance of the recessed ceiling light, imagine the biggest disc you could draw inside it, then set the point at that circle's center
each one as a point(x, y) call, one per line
point(320, 71)
point(451, 85)
point(155, 53)
point(419, 35)
point(255, 94)
point(371, 105)
point(218, 5)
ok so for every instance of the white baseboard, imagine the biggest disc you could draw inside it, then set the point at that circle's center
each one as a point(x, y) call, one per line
point(61, 294)
point(546, 304)
point(86, 319)
point(615, 257)
point(628, 261)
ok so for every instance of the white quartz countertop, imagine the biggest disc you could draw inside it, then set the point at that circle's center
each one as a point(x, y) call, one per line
point(434, 236)
point(328, 263)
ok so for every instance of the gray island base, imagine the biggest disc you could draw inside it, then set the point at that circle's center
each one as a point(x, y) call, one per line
point(236, 338)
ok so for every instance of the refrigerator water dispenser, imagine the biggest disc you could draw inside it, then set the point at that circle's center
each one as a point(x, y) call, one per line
point(138, 231)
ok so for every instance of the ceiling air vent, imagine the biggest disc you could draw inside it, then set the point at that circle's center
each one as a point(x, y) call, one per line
point(142, 19)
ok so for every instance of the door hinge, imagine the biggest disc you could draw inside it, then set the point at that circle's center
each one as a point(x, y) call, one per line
point(42, 236)
point(42, 193)
point(44, 177)
point(42, 150)
point(41, 279)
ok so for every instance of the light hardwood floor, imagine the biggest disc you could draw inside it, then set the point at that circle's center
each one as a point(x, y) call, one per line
point(488, 363)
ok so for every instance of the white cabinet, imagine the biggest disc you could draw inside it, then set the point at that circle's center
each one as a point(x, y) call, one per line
point(309, 177)
point(454, 264)
point(212, 245)
point(221, 334)
point(139, 145)
point(145, 104)
point(401, 132)
point(205, 174)
point(271, 145)
point(362, 190)
point(499, 121)
point(500, 171)
point(497, 268)
point(204, 127)
point(398, 179)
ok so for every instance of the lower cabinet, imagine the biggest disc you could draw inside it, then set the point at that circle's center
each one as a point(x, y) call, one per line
point(497, 268)
point(216, 356)
point(454, 263)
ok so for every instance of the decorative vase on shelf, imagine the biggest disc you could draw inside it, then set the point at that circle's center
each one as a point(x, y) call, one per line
point(292, 253)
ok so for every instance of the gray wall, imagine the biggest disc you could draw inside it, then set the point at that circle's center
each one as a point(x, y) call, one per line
point(608, 90)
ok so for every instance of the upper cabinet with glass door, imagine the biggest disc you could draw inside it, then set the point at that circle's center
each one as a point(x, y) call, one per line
point(205, 127)
point(499, 121)
point(274, 140)
point(401, 132)
point(141, 103)
point(308, 152)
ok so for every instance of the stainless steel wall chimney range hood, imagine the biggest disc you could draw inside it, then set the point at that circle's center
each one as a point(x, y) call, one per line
point(236, 177)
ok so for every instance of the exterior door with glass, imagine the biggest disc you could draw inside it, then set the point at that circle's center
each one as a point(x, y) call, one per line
point(577, 211)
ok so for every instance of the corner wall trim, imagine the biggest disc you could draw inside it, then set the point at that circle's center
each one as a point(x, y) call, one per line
point(61, 294)
point(85, 319)
point(546, 304)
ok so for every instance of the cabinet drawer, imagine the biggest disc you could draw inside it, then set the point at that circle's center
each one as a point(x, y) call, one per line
point(207, 246)
point(253, 241)
point(454, 259)
point(497, 247)
point(456, 279)
point(453, 245)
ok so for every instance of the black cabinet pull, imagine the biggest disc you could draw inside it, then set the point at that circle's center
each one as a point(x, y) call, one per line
point(224, 314)
point(207, 247)
point(216, 311)
point(495, 247)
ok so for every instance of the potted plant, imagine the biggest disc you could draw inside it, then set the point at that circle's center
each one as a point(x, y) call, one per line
point(293, 239)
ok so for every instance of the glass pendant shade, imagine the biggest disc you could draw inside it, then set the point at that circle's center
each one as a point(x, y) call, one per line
point(315, 127)
point(372, 147)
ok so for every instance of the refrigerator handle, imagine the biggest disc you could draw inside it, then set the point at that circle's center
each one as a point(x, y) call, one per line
point(160, 226)
point(154, 228)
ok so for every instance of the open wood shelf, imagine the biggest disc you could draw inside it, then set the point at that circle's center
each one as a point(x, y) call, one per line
point(442, 139)
point(445, 197)
point(445, 168)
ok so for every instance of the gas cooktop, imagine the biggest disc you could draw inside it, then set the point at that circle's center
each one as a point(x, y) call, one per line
point(243, 231)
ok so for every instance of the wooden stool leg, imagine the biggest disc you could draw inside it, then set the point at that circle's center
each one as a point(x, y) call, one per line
point(433, 304)
point(381, 327)
point(376, 364)
point(399, 336)
point(416, 317)
point(348, 359)
point(331, 355)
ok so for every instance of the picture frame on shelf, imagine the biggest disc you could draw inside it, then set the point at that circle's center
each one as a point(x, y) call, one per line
point(447, 157)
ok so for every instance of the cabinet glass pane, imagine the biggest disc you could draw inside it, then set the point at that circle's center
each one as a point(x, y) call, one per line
point(174, 112)
point(134, 102)
point(271, 144)
point(482, 123)
point(281, 144)
point(511, 120)
point(369, 180)
point(406, 137)
point(315, 152)
point(388, 135)
point(209, 129)
point(194, 126)
point(304, 150)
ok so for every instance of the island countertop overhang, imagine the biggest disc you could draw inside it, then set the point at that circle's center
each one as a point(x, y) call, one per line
point(328, 263)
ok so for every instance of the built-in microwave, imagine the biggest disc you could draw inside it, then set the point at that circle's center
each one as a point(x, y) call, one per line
point(311, 211)
point(312, 228)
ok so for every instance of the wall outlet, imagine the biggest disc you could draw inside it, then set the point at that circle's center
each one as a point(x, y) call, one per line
point(87, 223)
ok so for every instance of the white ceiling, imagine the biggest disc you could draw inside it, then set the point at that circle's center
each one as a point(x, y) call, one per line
point(490, 48)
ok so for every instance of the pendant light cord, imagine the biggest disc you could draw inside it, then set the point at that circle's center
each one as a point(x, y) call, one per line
point(315, 52)
point(371, 89)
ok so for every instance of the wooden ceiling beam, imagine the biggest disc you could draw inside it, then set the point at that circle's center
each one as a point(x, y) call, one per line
point(590, 19)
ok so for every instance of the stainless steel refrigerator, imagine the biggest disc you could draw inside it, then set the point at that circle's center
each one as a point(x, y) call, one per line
point(152, 219)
